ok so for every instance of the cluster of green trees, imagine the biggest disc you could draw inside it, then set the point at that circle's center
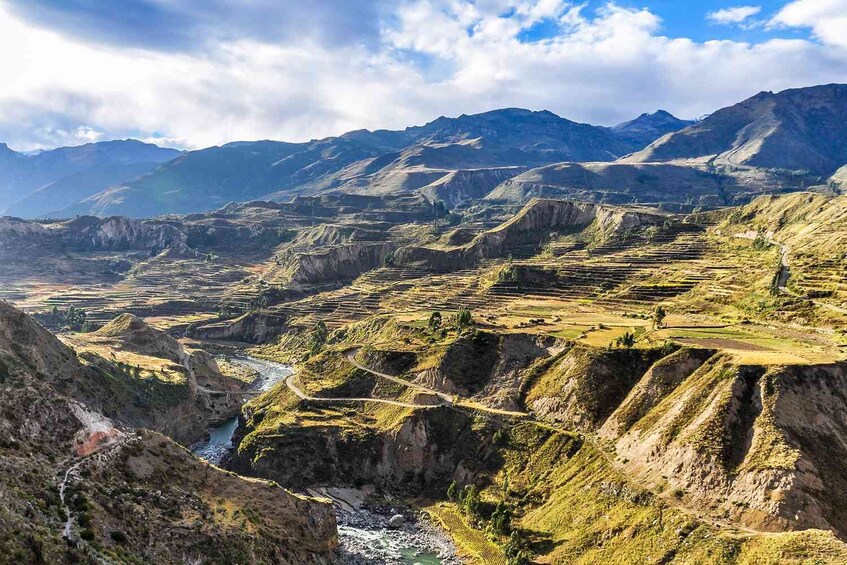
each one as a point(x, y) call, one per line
point(318, 336)
point(73, 319)
point(497, 521)
point(461, 320)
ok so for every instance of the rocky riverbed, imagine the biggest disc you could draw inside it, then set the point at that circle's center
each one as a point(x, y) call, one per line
point(382, 530)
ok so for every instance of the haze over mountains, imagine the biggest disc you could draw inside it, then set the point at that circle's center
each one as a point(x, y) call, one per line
point(769, 143)
point(35, 184)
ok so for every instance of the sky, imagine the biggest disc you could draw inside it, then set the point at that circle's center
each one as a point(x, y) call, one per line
point(196, 73)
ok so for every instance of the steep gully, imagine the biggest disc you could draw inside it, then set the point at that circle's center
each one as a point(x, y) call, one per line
point(785, 271)
point(668, 499)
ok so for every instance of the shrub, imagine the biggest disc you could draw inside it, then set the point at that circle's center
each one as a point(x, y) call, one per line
point(434, 321)
point(452, 491)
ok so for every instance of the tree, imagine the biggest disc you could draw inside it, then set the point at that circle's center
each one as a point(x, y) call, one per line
point(501, 519)
point(464, 318)
point(517, 550)
point(434, 321)
point(626, 340)
point(659, 316)
point(439, 208)
point(471, 501)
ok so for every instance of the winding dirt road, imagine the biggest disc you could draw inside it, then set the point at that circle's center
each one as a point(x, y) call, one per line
point(449, 400)
point(289, 382)
point(351, 357)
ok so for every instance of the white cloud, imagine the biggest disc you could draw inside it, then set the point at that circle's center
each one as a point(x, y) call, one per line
point(734, 15)
point(826, 18)
point(602, 68)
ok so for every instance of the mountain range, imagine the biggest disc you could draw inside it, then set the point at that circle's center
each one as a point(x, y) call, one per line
point(32, 184)
point(772, 142)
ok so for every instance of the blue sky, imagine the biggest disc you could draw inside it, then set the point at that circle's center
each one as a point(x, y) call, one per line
point(192, 73)
point(690, 19)
point(681, 18)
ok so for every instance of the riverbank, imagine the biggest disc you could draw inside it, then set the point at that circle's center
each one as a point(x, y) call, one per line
point(218, 444)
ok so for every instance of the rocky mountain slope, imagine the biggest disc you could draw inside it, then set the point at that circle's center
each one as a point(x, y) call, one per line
point(670, 185)
point(185, 376)
point(797, 129)
point(374, 162)
point(770, 143)
point(77, 487)
point(839, 179)
point(35, 185)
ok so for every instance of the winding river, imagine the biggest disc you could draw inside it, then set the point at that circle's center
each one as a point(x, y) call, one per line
point(363, 531)
point(219, 443)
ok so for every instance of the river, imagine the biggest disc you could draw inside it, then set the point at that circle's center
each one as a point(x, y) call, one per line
point(363, 531)
point(219, 443)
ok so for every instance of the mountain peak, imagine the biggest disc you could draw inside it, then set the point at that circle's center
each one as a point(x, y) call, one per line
point(649, 126)
point(659, 119)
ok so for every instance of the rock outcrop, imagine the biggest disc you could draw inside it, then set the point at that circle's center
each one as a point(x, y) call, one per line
point(336, 263)
point(583, 385)
point(530, 227)
point(22, 238)
point(839, 179)
point(420, 454)
point(488, 366)
point(465, 187)
point(253, 327)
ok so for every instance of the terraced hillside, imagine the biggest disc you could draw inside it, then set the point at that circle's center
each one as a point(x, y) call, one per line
point(684, 370)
